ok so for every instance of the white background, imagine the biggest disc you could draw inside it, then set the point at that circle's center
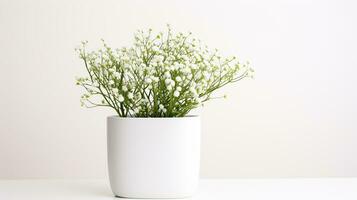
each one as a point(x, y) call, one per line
point(296, 119)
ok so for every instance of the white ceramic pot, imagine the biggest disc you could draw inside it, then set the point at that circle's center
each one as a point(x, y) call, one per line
point(153, 157)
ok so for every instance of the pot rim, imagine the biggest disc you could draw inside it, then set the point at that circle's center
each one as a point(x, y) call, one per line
point(152, 118)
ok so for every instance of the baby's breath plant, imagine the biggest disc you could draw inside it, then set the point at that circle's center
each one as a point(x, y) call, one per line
point(161, 75)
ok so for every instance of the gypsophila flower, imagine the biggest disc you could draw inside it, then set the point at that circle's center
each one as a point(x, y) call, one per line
point(116, 75)
point(155, 79)
point(155, 48)
point(120, 98)
point(167, 75)
point(130, 95)
point(168, 81)
point(162, 108)
point(148, 80)
point(178, 79)
point(160, 75)
point(176, 93)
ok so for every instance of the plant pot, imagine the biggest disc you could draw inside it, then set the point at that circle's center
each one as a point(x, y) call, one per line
point(153, 157)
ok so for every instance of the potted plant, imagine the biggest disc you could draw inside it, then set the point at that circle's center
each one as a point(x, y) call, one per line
point(153, 142)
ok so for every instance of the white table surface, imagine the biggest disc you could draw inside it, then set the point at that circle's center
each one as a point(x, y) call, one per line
point(209, 189)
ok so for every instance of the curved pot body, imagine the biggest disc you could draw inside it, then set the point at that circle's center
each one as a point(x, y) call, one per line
point(153, 157)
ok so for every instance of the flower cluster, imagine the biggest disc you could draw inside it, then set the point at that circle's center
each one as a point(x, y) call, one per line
point(161, 75)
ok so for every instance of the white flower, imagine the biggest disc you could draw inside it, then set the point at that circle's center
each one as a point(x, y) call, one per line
point(120, 98)
point(124, 88)
point(162, 108)
point(186, 70)
point(176, 93)
point(176, 65)
point(206, 75)
point(111, 82)
point(116, 75)
point(148, 80)
point(155, 79)
point(125, 57)
point(179, 66)
point(115, 90)
point(178, 79)
point(167, 75)
point(144, 101)
point(169, 87)
point(189, 76)
point(171, 68)
point(130, 95)
point(155, 48)
point(158, 58)
point(184, 57)
point(193, 90)
point(168, 81)
point(157, 42)
point(179, 88)
point(126, 66)
point(194, 66)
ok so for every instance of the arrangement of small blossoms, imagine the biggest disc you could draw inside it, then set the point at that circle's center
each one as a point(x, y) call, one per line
point(161, 75)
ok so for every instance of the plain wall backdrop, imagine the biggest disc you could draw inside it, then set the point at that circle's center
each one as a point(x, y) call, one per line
point(297, 118)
